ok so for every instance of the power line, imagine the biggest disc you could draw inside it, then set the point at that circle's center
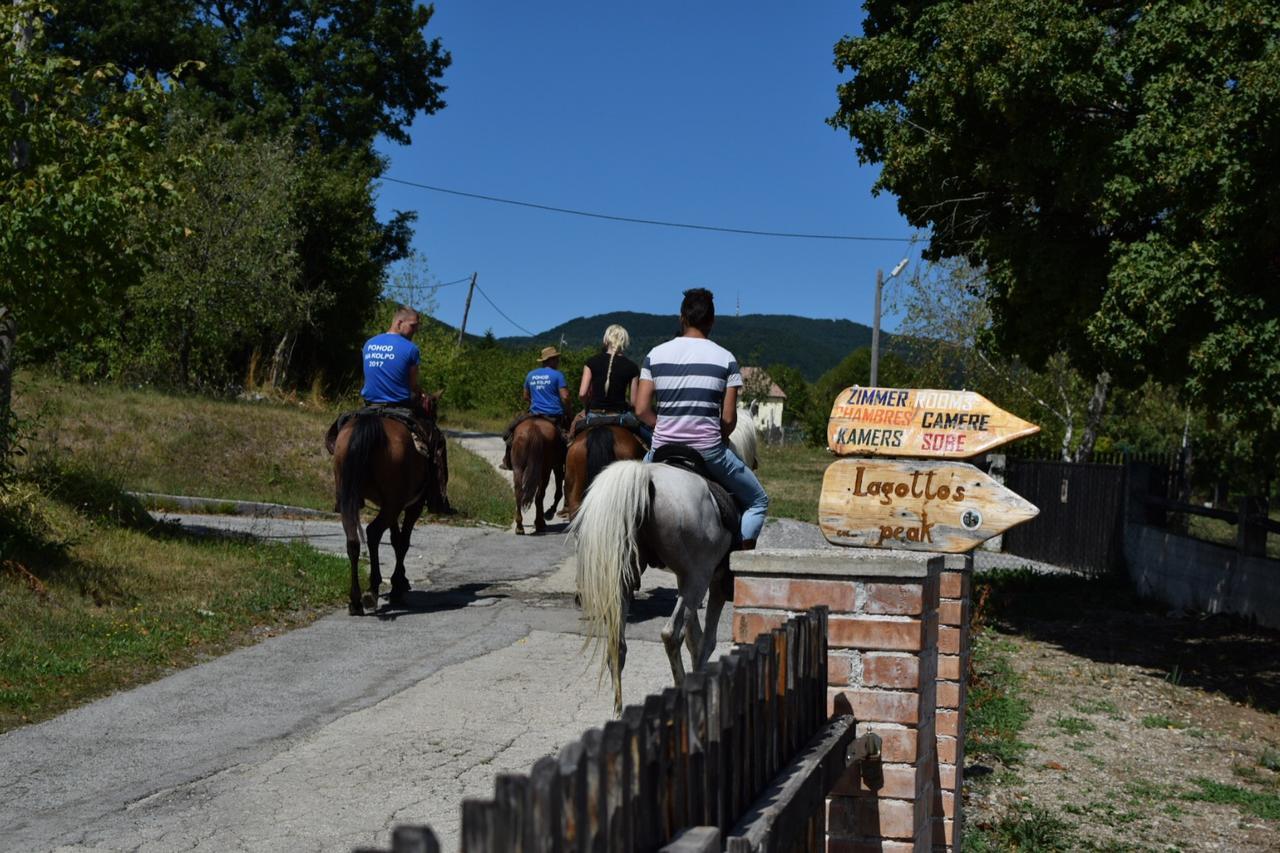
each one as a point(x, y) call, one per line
point(480, 290)
point(463, 280)
point(660, 222)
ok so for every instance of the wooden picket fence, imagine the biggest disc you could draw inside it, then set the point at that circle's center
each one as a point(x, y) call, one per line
point(741, 752)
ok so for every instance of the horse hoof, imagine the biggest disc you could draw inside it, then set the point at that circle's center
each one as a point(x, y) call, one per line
point(519, 531)
point(397, 596)
point(354, 609)
point(369, 600)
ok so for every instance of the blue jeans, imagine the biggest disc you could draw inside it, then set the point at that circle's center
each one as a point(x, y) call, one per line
point(741, 482)
point(625, 419)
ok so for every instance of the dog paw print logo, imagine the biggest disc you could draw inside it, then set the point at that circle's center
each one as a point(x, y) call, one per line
point(971, 520)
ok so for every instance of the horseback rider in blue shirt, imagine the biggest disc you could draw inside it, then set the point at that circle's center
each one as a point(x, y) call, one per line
point(391, 364)
point(547, 393)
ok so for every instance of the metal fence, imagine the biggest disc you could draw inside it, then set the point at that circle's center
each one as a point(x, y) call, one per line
point(1081, 520)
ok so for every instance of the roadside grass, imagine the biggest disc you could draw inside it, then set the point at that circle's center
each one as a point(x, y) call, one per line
point(98, 597)
point(1257, 803)
point(792, 476)
point(996, 708)
point(269, 451)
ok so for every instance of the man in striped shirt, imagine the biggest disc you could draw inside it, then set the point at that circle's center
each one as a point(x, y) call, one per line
point(693, 385)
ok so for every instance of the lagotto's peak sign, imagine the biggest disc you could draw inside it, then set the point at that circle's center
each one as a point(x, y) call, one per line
point(920, 506)
point(919, 422)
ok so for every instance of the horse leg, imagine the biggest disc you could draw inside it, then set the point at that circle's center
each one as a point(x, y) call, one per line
point(539, 522)
point(715, 604)
point(400, 583)
point(516, 480)
point(673, 637)
point(558, 471)
point(373, 535)
point(352, 530)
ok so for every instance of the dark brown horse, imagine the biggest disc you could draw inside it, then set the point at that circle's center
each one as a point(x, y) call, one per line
point(589, 452)
point(374, 459)
point(537, 453)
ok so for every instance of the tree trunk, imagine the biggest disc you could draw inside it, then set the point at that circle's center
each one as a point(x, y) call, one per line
point(8, 334)
point(280, 361)
point(1093, 420)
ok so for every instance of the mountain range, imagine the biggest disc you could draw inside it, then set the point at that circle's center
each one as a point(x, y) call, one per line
point(810, 345)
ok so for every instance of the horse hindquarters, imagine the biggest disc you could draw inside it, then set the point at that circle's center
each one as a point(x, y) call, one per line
point(352, 466)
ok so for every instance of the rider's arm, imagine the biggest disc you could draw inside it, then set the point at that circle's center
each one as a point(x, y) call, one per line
point(564, 397)
point(642, 399)
point(635, 386)
point(415, 391)
point(527, 398)
point(584, 387)
point(729, 412)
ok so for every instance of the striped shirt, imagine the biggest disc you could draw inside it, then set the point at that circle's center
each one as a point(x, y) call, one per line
point(689, 376)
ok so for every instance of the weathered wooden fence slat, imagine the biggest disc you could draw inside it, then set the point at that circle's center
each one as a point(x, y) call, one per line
point(742, 751)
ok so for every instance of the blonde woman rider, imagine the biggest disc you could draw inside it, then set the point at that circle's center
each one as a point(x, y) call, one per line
point(609, 381)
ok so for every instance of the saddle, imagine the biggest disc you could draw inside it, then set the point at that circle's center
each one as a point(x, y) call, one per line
point(683, 456)
point(598, 419)
point(428, 441)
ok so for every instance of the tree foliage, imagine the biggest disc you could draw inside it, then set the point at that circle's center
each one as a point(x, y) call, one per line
point(1115, 168)
point(330, 77)
point(228, 286)
point(75, 224)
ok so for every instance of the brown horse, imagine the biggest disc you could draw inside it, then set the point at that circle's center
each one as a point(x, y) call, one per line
point(374, 459)
point(590, 451)
point(537, 452)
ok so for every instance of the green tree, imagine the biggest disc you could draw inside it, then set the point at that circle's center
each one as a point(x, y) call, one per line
point(76, 224)
point(228, 288)
point(853, 369)
point(1115, 168)
point(332, 77)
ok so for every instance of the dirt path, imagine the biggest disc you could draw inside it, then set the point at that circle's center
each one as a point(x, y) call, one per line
point(1147, 730)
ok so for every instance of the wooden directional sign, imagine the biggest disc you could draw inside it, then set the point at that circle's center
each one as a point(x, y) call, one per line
point(919, 422)
point(919, 506)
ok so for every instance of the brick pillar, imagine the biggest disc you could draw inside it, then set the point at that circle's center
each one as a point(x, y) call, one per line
point(882, 665)
point(953, 667)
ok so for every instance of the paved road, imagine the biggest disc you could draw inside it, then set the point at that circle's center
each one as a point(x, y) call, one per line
point(325, 737)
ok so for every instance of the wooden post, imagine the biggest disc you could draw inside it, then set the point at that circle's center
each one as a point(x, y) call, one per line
point(511, 794)
point(414, 839)
point(545, 803)
point(1251, 537)
point(462, 330)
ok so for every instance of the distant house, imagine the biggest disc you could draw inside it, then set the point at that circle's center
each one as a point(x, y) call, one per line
point(762, 397)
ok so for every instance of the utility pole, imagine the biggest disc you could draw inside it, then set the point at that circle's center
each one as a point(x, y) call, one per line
point(875, 323)
point(875, 331)
point(462, 330)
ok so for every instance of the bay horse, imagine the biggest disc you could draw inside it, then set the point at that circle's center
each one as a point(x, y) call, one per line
point(637, 515)
point(537, 454)
point(374, 459)
point(591, 450)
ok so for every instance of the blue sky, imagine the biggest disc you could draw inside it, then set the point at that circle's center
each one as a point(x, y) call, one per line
point(703, 112)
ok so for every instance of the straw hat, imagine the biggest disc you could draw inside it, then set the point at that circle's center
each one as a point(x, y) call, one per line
point(548, 352)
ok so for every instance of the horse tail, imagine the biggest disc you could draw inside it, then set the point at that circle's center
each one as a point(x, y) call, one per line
point(604, 532)
point(743, 440)
point(367, 438)
point(599, 452)
point(531, 472)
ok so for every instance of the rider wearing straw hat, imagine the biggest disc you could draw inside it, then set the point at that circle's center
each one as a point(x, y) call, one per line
point(547, 393)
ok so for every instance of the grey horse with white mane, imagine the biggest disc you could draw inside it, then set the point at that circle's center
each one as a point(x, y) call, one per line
point(637, 515)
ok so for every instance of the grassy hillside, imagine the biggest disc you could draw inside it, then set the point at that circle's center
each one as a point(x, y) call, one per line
point(188, 445)
point(809, 345)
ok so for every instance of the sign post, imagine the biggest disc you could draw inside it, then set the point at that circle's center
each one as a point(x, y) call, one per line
point(919, 422)
point(870, 501)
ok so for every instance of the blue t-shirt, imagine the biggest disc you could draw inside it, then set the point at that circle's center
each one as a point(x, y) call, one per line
point(543, 385)
point(387, 360)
